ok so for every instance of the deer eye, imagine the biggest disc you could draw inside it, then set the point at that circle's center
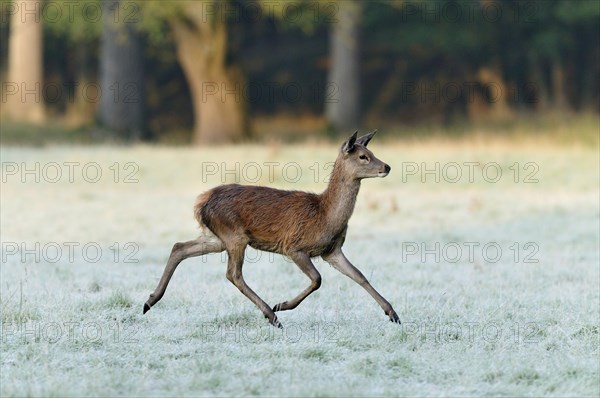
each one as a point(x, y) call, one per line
point(363, 157)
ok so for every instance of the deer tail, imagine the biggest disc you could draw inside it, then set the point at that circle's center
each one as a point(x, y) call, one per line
point(200, 202)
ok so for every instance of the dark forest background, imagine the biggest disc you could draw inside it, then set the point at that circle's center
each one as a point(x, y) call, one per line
point(209, 72)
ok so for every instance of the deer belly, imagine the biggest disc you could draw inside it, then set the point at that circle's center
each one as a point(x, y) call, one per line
point(273, 247)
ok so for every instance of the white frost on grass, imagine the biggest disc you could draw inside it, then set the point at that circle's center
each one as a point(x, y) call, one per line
point(471, 327)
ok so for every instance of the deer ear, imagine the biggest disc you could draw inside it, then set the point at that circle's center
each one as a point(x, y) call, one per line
point(364, 140)
point(348, 145)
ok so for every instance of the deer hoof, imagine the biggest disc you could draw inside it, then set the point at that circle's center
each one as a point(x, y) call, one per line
point(394, 318)
point(275, 322)
point(146, 308)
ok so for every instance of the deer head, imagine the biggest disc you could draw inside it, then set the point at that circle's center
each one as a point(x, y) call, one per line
point(358, 162)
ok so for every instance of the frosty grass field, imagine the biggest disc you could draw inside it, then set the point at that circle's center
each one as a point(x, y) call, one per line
point(508, 307)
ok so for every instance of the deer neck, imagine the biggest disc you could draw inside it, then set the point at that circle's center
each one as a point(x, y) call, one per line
point(340, 197)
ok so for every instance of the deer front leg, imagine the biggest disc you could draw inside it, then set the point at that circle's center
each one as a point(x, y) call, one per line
point(206, 243)
point(234, 274)
point(339, 261)
point(302, 260)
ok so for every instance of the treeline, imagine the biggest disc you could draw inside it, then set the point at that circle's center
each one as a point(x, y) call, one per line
point(143, 68)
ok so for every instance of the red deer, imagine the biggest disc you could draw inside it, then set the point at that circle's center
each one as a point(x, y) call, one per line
point(299, 225)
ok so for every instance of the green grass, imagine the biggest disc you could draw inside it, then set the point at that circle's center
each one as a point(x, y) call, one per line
point(23, 134)
point(550, 128)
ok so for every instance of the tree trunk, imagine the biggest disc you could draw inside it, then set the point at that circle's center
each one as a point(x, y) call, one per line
point(219, 115)
point(542, 94)
point(559, 94)
point(81, 110)
point(25, 65)
point(343, 108)
point(121, 76)
point(494, 105)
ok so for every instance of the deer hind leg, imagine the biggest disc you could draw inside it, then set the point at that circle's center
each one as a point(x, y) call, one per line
point(206, 243)
point(234, 274)
point(302, 260)
point(341, 263)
